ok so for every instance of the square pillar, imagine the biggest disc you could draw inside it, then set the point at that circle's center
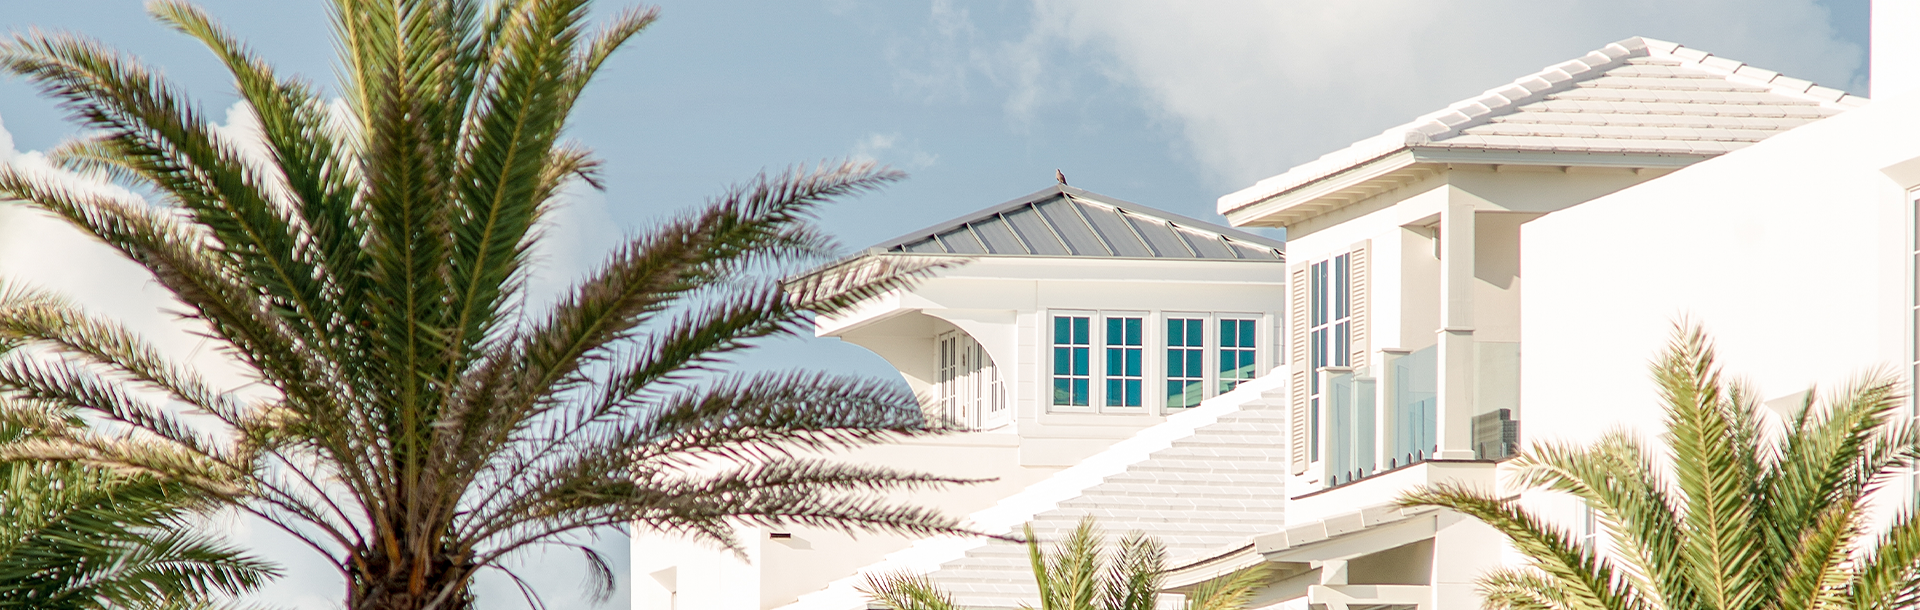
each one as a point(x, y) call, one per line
point(1457, 354)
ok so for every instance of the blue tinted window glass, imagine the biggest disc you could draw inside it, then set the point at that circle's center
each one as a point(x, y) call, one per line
point(1186, 355)
point(1071, 360)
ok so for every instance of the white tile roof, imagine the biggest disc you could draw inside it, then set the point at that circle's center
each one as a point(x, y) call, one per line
point(1636, 96)
point(1207, 478)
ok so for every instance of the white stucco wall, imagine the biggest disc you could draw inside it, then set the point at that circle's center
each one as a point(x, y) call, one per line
point(671, 573)
point(1792, 252)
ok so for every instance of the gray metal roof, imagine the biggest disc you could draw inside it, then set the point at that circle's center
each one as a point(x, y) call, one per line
point(1066, 221)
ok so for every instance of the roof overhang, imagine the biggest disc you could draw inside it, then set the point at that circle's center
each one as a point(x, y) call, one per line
point(1350, 535)
point(1210, 568)
point(1412, 164)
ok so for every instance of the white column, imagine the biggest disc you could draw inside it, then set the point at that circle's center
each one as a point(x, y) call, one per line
point(1893, 58)
point(1456, 332)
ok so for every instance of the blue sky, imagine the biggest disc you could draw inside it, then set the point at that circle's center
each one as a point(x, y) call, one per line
point(1166, 104)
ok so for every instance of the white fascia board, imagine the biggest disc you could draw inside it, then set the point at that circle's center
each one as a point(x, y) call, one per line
point(1347, 546)
point(1554, 158)
point(1210, 568)
point(870, 311)
point(1309, 198)
point(1250, 209)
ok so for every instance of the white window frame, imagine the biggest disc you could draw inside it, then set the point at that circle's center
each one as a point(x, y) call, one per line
point(1337, 345)
point(1910, 204)
point(1166, 347)
point(1154, 351)
point(1101, 364)
point(1093, 369)
point(1259, 348)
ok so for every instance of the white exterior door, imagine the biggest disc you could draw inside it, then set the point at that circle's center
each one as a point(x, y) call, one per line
point(968, 388)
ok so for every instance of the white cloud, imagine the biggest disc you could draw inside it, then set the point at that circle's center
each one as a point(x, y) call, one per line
point(1255, 86)
point(39, 250)
point(890, 148)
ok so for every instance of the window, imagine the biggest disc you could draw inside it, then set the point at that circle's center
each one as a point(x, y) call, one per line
point(1113, 361)
point(1186, 375)
point(1236, 353)
point(1124, 369)
point(967, 385)
point(1590, 527)
point(1072, 379)
point(1331, 310)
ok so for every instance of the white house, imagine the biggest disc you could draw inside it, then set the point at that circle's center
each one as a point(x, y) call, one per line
point(1509, 264)
point(1076, 328)
point(1495, 272)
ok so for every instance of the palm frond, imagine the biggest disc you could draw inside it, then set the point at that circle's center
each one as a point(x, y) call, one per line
point(1752, 518)
point(1231, 593)
point(907, 591)
point(1588, 580)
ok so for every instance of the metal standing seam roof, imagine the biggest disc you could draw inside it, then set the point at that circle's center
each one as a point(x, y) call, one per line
point(1638, 96)
point(1070, 222)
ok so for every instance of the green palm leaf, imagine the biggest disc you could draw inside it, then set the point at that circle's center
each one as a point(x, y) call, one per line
point(1740, 519)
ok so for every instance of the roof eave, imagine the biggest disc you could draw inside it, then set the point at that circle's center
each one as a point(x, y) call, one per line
point(1413, 163)
point(1277, 194)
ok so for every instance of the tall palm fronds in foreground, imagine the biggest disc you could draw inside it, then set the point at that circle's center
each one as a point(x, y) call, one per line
point(1746, 519)
point(419, 423)
point(74, 537)
point(1081, 574)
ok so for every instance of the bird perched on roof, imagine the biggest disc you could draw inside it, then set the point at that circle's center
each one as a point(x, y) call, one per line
point(1060, 176)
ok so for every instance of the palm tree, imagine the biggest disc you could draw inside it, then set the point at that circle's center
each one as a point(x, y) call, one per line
point(74, 537)
point(1079, 574)
point(410, 416)
point(1750, 517)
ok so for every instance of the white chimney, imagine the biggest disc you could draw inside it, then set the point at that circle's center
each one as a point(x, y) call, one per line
point(1893, 55)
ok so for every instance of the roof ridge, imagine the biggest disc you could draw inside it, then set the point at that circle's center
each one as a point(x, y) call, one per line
point(1065, 221)
point(929, 554)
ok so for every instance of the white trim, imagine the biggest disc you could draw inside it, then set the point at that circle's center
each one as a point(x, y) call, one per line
point(1047, 374)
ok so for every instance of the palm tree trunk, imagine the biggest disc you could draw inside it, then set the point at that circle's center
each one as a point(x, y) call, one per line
point(444, 586)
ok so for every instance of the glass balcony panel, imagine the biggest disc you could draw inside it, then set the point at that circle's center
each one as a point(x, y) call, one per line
point(1413, 389)
point(1351, 429)
point(1340, 425)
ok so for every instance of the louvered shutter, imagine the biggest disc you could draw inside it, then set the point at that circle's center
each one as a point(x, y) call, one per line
point(1298, 294)
point(1359, 264)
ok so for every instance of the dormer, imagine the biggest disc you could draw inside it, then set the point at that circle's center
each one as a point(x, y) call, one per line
point(1405, 247)
point(1071, 319)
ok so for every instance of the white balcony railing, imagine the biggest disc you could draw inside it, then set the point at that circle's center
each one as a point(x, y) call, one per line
point(1375, 424)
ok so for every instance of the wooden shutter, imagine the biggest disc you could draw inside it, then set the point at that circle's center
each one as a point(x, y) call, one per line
point(1299, 292)
point(1359, 266)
